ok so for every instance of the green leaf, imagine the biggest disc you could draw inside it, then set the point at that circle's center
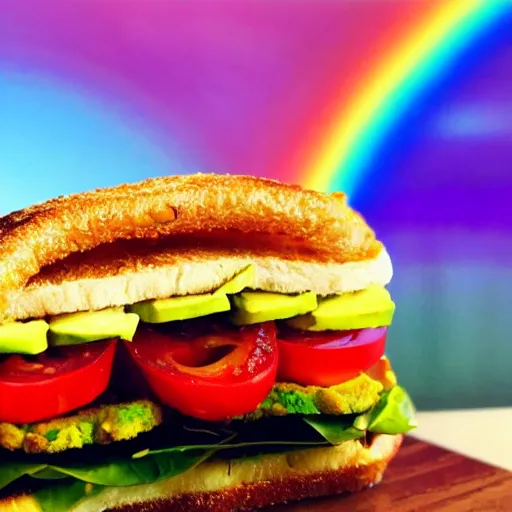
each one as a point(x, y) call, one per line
point(144, 470)
point(63, 496)
point(393, 414)
point(48, 473)
point(11, 471)
point(334, 429)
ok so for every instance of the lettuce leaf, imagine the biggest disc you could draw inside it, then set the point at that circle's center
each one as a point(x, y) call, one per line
point(12, 471)
point(393, 414)
point(334, 429)
point(121, 472)
point(126, 472)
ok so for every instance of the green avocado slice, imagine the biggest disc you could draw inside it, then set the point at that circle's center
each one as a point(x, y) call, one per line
point(180, 308)
point(23, 337)
point(371, 307)
point(256, 307)
point(245, 279)
point(89, 326)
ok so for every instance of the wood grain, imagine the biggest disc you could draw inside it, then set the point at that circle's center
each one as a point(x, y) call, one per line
point(425, 478)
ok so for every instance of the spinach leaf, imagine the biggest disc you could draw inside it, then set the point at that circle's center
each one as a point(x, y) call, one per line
point(11, 471)
point(334, 429)
point(143, 470)
point(393, 414)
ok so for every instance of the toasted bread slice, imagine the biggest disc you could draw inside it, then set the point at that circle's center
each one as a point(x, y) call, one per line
point(181, 235)
point(95, 280)
point(247, 484)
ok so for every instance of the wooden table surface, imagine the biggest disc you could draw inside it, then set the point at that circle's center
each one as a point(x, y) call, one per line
point(425, 478)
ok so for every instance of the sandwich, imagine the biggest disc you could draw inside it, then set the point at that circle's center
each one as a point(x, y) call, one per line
point(199, 342)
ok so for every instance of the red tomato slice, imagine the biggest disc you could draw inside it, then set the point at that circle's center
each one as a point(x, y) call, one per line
point(330, 357)
point(42, 387)
point(213, 377)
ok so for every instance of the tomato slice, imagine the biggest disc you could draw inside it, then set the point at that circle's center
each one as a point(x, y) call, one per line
point(328, 358)
point(45, 386)
point(213, 376)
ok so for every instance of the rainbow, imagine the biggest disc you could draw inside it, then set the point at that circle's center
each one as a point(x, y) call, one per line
point(341, 158)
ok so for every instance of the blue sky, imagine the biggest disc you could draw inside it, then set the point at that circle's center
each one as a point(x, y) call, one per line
point(54, 140)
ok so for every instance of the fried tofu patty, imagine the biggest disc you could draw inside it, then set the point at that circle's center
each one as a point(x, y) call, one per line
point(351, 397)
point(100, 425)
point(355, 396)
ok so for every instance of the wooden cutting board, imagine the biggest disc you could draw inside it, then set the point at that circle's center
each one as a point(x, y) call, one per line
point(425, 478)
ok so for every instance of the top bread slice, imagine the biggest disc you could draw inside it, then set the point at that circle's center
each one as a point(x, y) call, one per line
point(181, 235)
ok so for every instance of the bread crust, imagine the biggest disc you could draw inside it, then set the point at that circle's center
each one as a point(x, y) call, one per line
point(319, 225)
point(249, 484)
point(268, 493)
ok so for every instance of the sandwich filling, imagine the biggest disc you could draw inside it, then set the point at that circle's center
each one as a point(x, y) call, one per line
point(165, 384)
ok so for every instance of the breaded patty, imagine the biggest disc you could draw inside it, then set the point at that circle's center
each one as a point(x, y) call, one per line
point(100, 425)
point(355, 396)
point(351, 397)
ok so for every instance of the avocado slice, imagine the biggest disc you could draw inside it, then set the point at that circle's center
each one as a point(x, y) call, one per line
point(245, 279)
point(256, 307)
point(88, 326)
point(180, 308)
point(23, 337)
point(371, 307)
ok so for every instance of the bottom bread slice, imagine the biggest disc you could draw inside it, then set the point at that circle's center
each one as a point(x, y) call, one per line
point(247, 484)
